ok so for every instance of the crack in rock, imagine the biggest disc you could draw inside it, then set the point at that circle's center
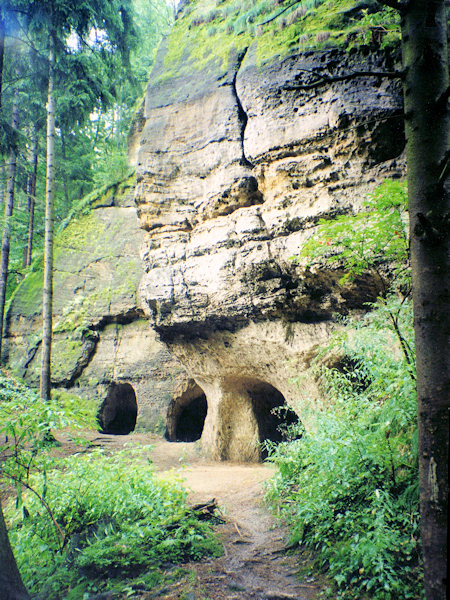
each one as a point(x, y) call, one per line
point(242, 115)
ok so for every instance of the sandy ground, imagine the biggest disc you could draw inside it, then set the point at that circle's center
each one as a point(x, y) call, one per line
point(255, 564)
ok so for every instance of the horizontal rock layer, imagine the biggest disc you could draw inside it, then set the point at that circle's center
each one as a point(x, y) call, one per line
point(236, 166)
point(234, 177)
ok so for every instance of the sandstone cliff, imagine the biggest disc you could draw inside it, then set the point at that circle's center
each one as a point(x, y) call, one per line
point(249, 134)
point(100, 334)
point(238, 160)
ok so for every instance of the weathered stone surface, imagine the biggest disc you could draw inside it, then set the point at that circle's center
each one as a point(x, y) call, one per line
point(228, 366)
point(100, 336)
point(236, 167)
point(132, 353)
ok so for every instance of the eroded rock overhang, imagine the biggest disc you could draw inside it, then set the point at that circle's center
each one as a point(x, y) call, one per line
point(236, 167)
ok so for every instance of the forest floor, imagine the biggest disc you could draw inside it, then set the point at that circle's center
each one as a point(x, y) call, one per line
point(256, 564)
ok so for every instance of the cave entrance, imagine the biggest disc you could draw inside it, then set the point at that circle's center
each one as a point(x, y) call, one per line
point(118, 413)
point(272, 413)
point(186, 414)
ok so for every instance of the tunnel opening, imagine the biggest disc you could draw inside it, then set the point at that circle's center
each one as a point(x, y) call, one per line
point(186, 414)
point(275, 418)
point(118, 412)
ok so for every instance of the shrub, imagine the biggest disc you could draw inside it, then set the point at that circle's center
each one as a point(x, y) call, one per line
point(88, 519)
point(118, 519)
point(349, 486)
point(26, 424)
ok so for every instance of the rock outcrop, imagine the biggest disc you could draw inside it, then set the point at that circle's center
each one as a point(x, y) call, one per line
point(238, 162)
point(101, 337)
point(238, 158)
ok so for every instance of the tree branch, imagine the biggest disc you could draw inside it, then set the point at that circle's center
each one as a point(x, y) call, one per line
point(43, 502)
point(280, 13)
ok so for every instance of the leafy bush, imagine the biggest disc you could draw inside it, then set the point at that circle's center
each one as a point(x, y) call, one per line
point(349, 486)
point(26, 423)
point(368, 240)
point(118, 519)
point(88, 519)
point(372, 242)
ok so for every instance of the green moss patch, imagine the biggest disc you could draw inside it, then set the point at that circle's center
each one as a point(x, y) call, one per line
point(210, 31)
point(67, 353)
point(27, 298)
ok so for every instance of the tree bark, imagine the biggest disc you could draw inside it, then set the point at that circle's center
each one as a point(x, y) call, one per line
point(6, 240)
point(64, 176)
point(10, 581)
point(424, 44)
point(31, 194)
point(2, 53)
point(45, 384)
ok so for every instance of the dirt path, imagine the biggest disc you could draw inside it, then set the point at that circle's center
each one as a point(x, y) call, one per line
point(255, 565)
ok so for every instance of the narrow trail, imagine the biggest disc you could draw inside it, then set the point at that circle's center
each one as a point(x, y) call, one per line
point(255, 564)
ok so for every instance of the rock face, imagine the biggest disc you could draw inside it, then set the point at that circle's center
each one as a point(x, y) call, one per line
point(236, 165)
point(101, 338)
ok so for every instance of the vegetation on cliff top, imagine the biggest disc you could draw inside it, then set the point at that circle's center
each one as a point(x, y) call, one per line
point(209, 30)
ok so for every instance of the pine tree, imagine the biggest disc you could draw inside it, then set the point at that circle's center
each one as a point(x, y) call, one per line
point(9, 205)
point(426, 91)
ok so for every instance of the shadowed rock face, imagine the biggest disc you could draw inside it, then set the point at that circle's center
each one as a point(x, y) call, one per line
point(236, 166)
point(273, 415)
point(191, 420)
point(118, 412)
point(100, 334)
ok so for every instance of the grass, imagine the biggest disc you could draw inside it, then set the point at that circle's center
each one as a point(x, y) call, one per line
point(209, 32)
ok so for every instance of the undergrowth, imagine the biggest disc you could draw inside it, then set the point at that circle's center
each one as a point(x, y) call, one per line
point(90, 522)
point(349, 486)
point(119, 521)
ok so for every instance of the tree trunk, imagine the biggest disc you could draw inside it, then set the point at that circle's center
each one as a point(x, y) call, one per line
point(6, 240)
point(45, 386)
point(2, 53)
point(31, 193)
point(424, 34)
point(10, 581)
point(2, 183)
point(64, 177)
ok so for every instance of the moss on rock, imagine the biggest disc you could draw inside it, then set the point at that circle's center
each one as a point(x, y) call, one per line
point(210, 32)
point(96, 274)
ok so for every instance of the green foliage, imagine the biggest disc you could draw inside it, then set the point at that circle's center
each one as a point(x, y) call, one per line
point(368, 240)
point(375, 242)
point(25, 422)
point(210, 30)
point(104, 53)
point(118, 520)
point(86, 521)
point(349, 486)
point(25, 419)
